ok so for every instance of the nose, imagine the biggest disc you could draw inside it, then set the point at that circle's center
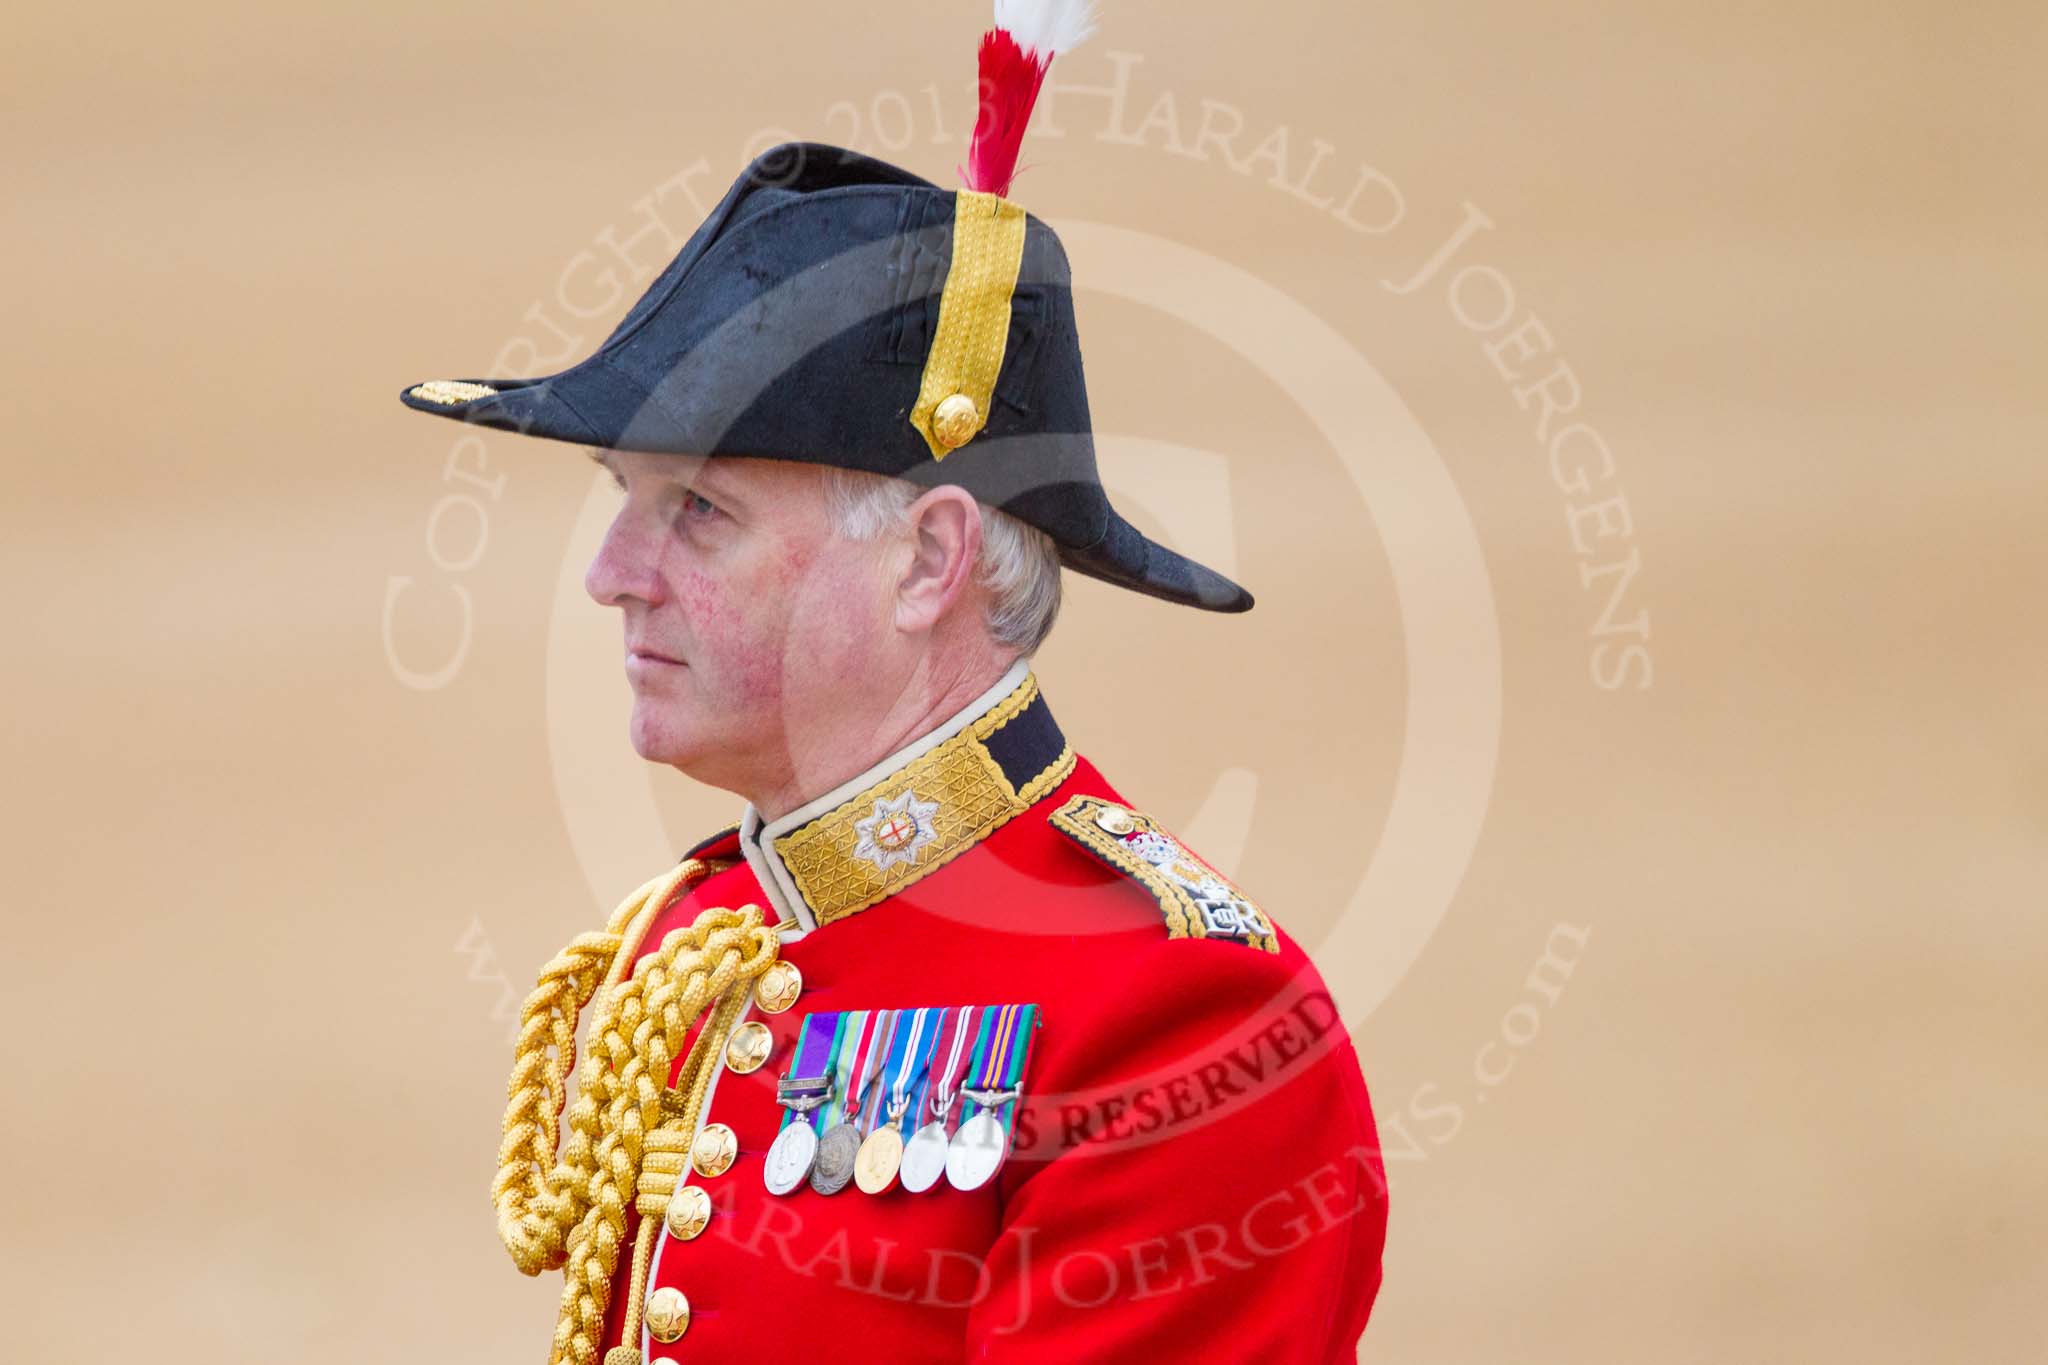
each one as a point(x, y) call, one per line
point(626, 565)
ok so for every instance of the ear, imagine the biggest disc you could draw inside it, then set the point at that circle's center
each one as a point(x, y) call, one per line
point(945, 541)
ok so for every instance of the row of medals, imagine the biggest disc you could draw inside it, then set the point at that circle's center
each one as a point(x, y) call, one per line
point(968, 1160)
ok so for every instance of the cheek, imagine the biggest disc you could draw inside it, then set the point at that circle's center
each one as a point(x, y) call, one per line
point(705, 604)
point(836, 617)
point(803, 618)
point(742, 626)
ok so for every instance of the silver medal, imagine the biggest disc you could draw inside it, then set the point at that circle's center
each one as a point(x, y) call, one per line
point(834, 1164)
point(789, 1157)
point(976, 1152)
point(924, 1158)
point(925, 1155)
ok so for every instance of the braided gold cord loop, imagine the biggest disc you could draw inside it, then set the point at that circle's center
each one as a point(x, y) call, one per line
point(535, 1194)
point(628, 1134)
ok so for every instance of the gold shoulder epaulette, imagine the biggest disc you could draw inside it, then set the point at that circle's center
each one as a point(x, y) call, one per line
point(1198, 901)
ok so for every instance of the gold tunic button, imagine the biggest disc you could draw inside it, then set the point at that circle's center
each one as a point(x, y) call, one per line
point(749, 1046)
point(714, 1150)
point(668, 1314)
point(689, 1212)
point(778, 987)
point(1116, 822)
point(955, 421)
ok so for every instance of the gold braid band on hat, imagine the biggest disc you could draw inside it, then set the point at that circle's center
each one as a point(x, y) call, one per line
point(966, 354)
point(627, 1129)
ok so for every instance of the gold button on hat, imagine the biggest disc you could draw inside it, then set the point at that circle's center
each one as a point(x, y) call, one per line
point(749, 1046)
point(689, 1212)
point(714, 1150)
point(778, 987)
point(668, 1314)
point(955, 420)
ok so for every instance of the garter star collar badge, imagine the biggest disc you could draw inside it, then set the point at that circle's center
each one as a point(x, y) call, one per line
point(896, 831)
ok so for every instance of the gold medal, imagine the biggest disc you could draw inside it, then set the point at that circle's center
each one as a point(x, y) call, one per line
point(874, 1168)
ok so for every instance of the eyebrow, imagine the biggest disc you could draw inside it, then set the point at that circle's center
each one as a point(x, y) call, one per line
point(602, 456)
point(718, 485)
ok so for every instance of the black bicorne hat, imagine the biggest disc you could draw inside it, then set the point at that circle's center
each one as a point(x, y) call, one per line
point(837, 310)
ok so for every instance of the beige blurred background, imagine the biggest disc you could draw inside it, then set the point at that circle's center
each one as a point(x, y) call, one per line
point(1785, 1100)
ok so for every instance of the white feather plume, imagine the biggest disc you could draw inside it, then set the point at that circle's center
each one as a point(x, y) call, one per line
point(1045, 27)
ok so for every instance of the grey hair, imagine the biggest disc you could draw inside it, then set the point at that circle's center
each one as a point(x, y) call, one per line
point(1019, 564)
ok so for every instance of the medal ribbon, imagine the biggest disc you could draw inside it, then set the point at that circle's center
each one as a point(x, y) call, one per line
point(944, 1084)
point(813, 1064)
point(867, 1090)
point(845, 1056)
point(912, 1054)
point(1000, 1053)
point(997, 1023)
point(855, 1066)
point(1020, 1054)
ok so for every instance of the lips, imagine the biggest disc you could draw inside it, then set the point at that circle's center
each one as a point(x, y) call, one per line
point(650, 654)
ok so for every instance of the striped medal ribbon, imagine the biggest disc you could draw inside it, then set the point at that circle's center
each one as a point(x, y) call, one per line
point(983, 1139)
point(867, 1035)
point(881, 1153)
point(807, 1085)
point(924, 1156)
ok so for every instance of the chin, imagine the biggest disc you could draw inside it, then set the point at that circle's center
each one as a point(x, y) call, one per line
point(662, 737)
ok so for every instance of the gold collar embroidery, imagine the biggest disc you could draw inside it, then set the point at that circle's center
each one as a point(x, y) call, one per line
point(913, 812)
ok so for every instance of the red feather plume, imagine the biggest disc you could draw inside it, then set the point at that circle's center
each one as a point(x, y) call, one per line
point(1009, 87)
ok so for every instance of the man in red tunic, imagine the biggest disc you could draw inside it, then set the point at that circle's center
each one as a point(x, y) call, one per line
point(945, 1052)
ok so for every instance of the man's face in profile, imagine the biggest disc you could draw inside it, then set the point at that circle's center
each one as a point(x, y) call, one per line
point(745, 612)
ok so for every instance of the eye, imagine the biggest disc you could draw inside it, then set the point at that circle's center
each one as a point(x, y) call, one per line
point(697, 507)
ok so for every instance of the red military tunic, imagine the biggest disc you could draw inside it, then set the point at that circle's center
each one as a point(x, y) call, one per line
point(1194, 1164)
